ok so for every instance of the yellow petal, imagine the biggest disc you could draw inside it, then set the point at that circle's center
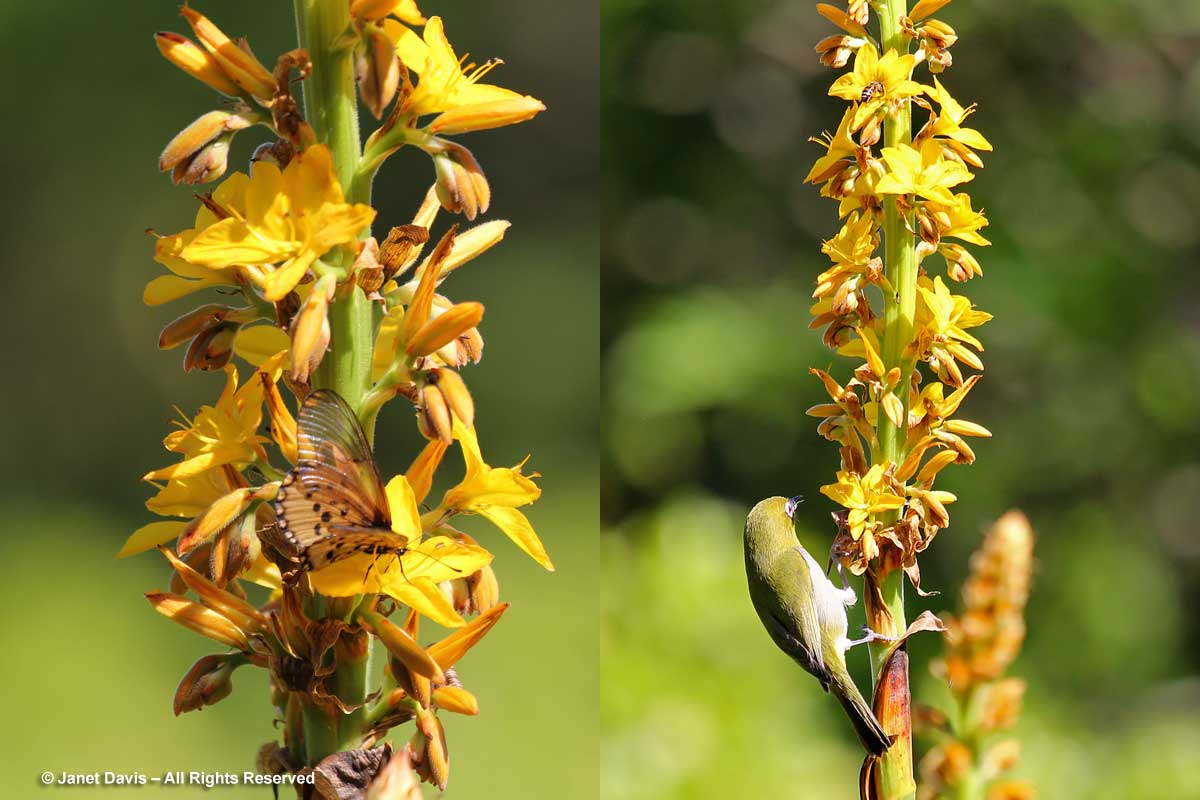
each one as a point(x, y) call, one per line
point(217, 516)
point(456, 699)
point(516, 526)
point(406, 517)
point(150, 536)
point(231, 241)
point(222, 454)
point(427, 599)
point(494, 108)
point(420, 473)
point(386, 341)
point(166, 288)
point(441, 558)
point(340, 224)
point(448, 651)
point(199, 619)
point(258, 343)
point(404, 647)
point(283, 279)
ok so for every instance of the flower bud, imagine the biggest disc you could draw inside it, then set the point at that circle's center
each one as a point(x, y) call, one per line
point(237, 610)
point(310, 329)
point(859, 11)
point(457, 700)
point(189, 57)
point(835, 51)
point(445, 328)
point(402, 646)
point(454, 390)
point(192, 323)
point(870, 133)
point(461, 185)
point(415, 686)
point(220, 514)
point(212, 348)
point(235, 549)
point(200, 151)
point(434, 764)
point(469, 347)
point(960, 264)
point(939, 60)
point(434, 415)
point(239, 65)
point(196, 617)
point(938, 34)
point(208, 165)
point(377, 69)
point(208, 681)
point(484, 590)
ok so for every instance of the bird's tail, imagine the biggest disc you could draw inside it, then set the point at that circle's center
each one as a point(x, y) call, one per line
point(866, 725)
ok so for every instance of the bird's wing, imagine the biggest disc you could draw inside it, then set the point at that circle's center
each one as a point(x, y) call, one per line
point(793, 578)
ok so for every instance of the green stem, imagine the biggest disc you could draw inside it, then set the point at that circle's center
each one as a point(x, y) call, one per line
point(320, 734)
point(895, 774)
point(971, 785)
point(331, 108)
point(899, 257)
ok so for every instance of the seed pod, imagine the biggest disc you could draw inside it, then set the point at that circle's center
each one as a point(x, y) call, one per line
point(207, 682)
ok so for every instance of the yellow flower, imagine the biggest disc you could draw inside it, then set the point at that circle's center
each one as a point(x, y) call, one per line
point(838, 148)
point(226, 433)
point(187, 277)
point(494, 493)
point(875, 82)
point(864, 495)
point(187, 496)
point(961, 221)
point(942, 321)
point(452, 89)
point(852, 251)
point(949, 120)
point(923, 173)
point(411, 578)
point(292, 217)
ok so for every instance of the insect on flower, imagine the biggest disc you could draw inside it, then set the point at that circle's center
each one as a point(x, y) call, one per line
point(333, 505)
point(873, 88)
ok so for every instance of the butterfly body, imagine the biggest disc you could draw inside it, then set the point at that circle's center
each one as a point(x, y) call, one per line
point(333, 504)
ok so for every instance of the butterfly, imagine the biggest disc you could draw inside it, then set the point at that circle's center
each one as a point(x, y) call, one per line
point(333, 504)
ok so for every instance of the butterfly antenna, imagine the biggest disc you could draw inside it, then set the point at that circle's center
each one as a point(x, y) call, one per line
point(435, 558)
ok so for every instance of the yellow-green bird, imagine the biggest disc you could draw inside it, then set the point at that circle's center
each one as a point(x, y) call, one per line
point(803, 611)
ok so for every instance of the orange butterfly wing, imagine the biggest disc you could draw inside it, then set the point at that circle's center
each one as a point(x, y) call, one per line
point(333, 504)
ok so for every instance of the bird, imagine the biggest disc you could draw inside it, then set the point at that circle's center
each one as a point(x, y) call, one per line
point(804, 613)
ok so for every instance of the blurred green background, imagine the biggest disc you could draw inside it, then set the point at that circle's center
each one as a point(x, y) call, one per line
point(89, 670)
point(711, 243)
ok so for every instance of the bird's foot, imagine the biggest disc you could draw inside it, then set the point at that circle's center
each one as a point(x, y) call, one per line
point(871, 636)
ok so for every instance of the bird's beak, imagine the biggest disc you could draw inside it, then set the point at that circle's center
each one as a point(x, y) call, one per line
point(789, 507)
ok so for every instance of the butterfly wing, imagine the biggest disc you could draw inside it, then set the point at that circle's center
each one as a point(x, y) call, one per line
point(345, 543)
point(335, 489)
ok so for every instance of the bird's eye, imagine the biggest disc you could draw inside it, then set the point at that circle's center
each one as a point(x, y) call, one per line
point(789, 507)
